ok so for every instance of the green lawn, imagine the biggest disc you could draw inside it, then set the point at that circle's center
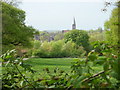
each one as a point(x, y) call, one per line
point(40, 63)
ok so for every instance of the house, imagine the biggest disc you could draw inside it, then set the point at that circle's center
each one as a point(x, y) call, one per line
point(64, 31)
point(36, 37)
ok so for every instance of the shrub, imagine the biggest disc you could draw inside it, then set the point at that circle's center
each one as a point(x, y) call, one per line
point(68, 48)
point(43, 50)
point(57, 49)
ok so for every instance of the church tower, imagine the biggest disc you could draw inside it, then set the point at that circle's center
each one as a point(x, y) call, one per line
point(74, 25)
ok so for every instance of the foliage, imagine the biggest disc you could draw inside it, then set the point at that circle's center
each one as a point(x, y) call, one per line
point(79, 37)
point(96, 35)
point(56, 48)
point(15, 32)
point(44, 50)
point(15, 73)
point(109, 77)
point(56, 79)
point(99, 46)
point(111, 26)
point(69, 49)
point(59, 36)
point(44, 36)
point(59, 49)
point(36, 45)
point(83, 74)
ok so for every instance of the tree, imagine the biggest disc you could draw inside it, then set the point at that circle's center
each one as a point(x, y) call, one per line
point(96, 35)
point(59, 36)
point(79, 37)
point(100, 29)
point(112, 27)
point(14, 31)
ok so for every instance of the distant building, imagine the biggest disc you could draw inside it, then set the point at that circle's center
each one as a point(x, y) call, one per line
point(51, 36)
point(74, 25)
point(64, 31)
point(36, 37)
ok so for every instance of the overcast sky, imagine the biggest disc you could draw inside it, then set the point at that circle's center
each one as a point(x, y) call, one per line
point(58, 14)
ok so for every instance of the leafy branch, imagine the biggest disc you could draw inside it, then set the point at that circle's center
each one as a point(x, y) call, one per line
point(24, 76)
point(95, 75)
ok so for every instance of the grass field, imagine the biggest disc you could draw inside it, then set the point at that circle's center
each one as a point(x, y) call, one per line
point(39, 64)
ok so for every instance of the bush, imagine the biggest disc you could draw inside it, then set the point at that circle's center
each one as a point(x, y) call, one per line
point(43, 50)
point(57, 49)
point(79, 52)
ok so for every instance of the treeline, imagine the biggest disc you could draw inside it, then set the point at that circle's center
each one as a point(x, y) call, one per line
point(74, 43)
point(15, 34)
point(57, 49)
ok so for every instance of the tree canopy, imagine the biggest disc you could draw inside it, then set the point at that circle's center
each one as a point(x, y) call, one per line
point(112, 29)
point(111, 26)
point(80, 37)
point(14, 30)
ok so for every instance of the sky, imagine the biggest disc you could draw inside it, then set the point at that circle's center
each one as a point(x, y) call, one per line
point(58, 14)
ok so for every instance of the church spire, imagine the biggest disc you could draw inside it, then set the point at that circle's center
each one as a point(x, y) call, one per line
point(74, 21)
point(74, 24)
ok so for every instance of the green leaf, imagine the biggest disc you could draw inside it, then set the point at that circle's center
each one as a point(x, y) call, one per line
point(53, 86)
point(100, 60)
point(79, 80)
point(21, 83)
point(7, 86)
point(8, 56)
point(106, 66)
point(92, 57)
point(105, 77)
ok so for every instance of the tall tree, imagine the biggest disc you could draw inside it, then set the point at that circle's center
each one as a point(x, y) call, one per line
point(80, 37)
point(14, 30)
point(112, 27)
